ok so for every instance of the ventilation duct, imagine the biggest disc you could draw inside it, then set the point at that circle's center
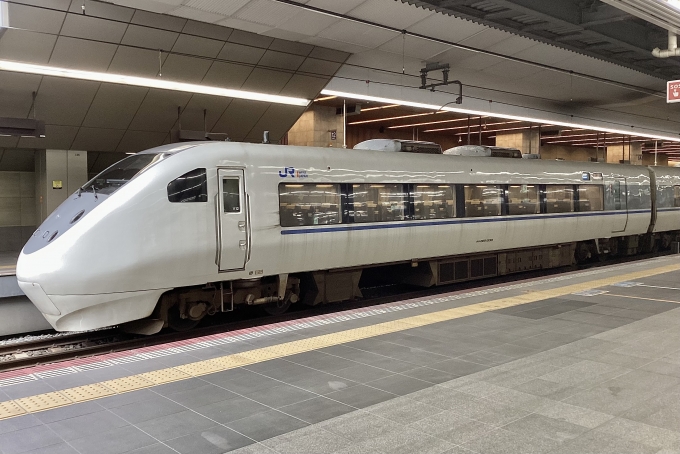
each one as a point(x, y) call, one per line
point(672, 50)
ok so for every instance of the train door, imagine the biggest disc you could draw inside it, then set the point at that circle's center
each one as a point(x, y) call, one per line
point(615, 200)
point(233, 240)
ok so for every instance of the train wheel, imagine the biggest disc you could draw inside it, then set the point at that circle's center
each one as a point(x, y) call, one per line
point(582, 253)
point(178, 323)
point(277, 308)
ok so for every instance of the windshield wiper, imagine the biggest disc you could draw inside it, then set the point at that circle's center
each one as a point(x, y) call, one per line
point(94, 191)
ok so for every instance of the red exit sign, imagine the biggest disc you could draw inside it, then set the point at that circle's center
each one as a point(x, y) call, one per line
point(673, 91)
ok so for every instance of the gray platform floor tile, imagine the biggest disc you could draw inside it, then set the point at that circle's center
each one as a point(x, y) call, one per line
point(201, 395)
point(152, 408)
point(28, 439)
point(231, 410)
point(280, 395)
point(61, 448)
point(399, 384)
point(120, 440)
point(432, 376)
point(322, 383)
point(18, 423)
point(317, 409)
point(156, 448)
point(175, 425)
point(309, 440)
point(90, 424)
point(360, 396)
point(459, 367)
point(213, 440)
point(265, 425)
point(362, 373)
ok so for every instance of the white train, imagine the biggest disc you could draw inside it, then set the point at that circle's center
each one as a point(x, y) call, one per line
point(169, 235)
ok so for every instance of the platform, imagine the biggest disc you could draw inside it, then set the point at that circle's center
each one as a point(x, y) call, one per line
point(584, 362)
point(14, 305)
point(8, 263)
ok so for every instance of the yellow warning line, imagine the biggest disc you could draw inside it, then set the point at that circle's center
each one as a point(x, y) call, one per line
point(42, 402)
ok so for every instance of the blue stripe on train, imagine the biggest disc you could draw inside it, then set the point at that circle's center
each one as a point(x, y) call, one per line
point(402, 224)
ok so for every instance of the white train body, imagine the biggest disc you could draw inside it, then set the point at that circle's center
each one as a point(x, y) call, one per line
point(130, 246)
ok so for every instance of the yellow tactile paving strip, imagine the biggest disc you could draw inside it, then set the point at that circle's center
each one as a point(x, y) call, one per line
point(42, 402)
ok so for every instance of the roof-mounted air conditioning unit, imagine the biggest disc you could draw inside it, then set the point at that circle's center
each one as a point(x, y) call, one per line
point(484, 151)
point(405, 146)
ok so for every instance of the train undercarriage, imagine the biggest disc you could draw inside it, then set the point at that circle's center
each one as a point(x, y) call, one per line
point(183, 308)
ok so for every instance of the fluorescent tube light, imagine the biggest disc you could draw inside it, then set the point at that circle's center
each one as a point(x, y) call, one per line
point(6, 65)
point(494, 114)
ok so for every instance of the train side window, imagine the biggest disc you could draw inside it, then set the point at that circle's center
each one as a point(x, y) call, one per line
point(378, 202)
point(483, 200)
point(665, 197)
point(309, 204)
point(432, 201)
point(676, 196)
point(639, 196)
point(231, 194)
point(190, 187)
point(523, 199)
point(590, 197)
point(559, 198)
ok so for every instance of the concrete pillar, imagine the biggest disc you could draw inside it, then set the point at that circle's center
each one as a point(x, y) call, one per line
point(58, 174)
point(525, 141)
point(318, 127)
point(626, 152)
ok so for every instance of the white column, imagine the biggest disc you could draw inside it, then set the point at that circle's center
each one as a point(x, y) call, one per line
point(59, 173)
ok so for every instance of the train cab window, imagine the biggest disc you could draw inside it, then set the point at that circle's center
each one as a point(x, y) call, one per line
point(378, 202)
point(431, 201)
point(483, 200)
point(231, 194)
point(190, 187)
point(523, 199)
point(309, 204)
point(559, 198)
point(590, 197)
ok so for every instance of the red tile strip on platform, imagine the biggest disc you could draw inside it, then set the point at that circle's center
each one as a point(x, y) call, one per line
point(268, 329)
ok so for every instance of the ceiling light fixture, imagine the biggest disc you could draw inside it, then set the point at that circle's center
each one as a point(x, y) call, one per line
point(325, 98)
point(432, 123)
point(492, 114)
point(475, 128)
point(13, 66)
point(391, 118)
point(379, 107)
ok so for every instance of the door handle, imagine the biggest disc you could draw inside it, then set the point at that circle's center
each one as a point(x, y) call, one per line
point(242, 244)
point(242, 226)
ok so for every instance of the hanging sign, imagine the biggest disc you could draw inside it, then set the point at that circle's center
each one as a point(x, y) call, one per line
point(673, 91)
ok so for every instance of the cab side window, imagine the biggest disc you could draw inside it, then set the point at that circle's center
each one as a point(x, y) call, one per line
point(190, 187)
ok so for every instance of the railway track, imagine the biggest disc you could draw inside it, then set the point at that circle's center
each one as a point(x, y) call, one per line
point(17, 353)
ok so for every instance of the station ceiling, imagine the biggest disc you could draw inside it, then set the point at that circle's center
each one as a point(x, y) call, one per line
point(104, 117)
point(296, 47)
point(589, 27)
point(391, 41)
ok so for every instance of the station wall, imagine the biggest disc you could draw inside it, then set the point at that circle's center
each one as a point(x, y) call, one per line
point(17, 209)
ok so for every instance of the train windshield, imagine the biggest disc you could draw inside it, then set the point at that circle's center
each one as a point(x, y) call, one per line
point(120, 173)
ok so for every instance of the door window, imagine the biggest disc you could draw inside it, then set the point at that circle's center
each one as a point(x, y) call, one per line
point(231, 194)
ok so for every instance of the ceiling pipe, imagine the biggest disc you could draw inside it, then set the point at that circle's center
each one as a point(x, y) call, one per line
point(672, 50)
